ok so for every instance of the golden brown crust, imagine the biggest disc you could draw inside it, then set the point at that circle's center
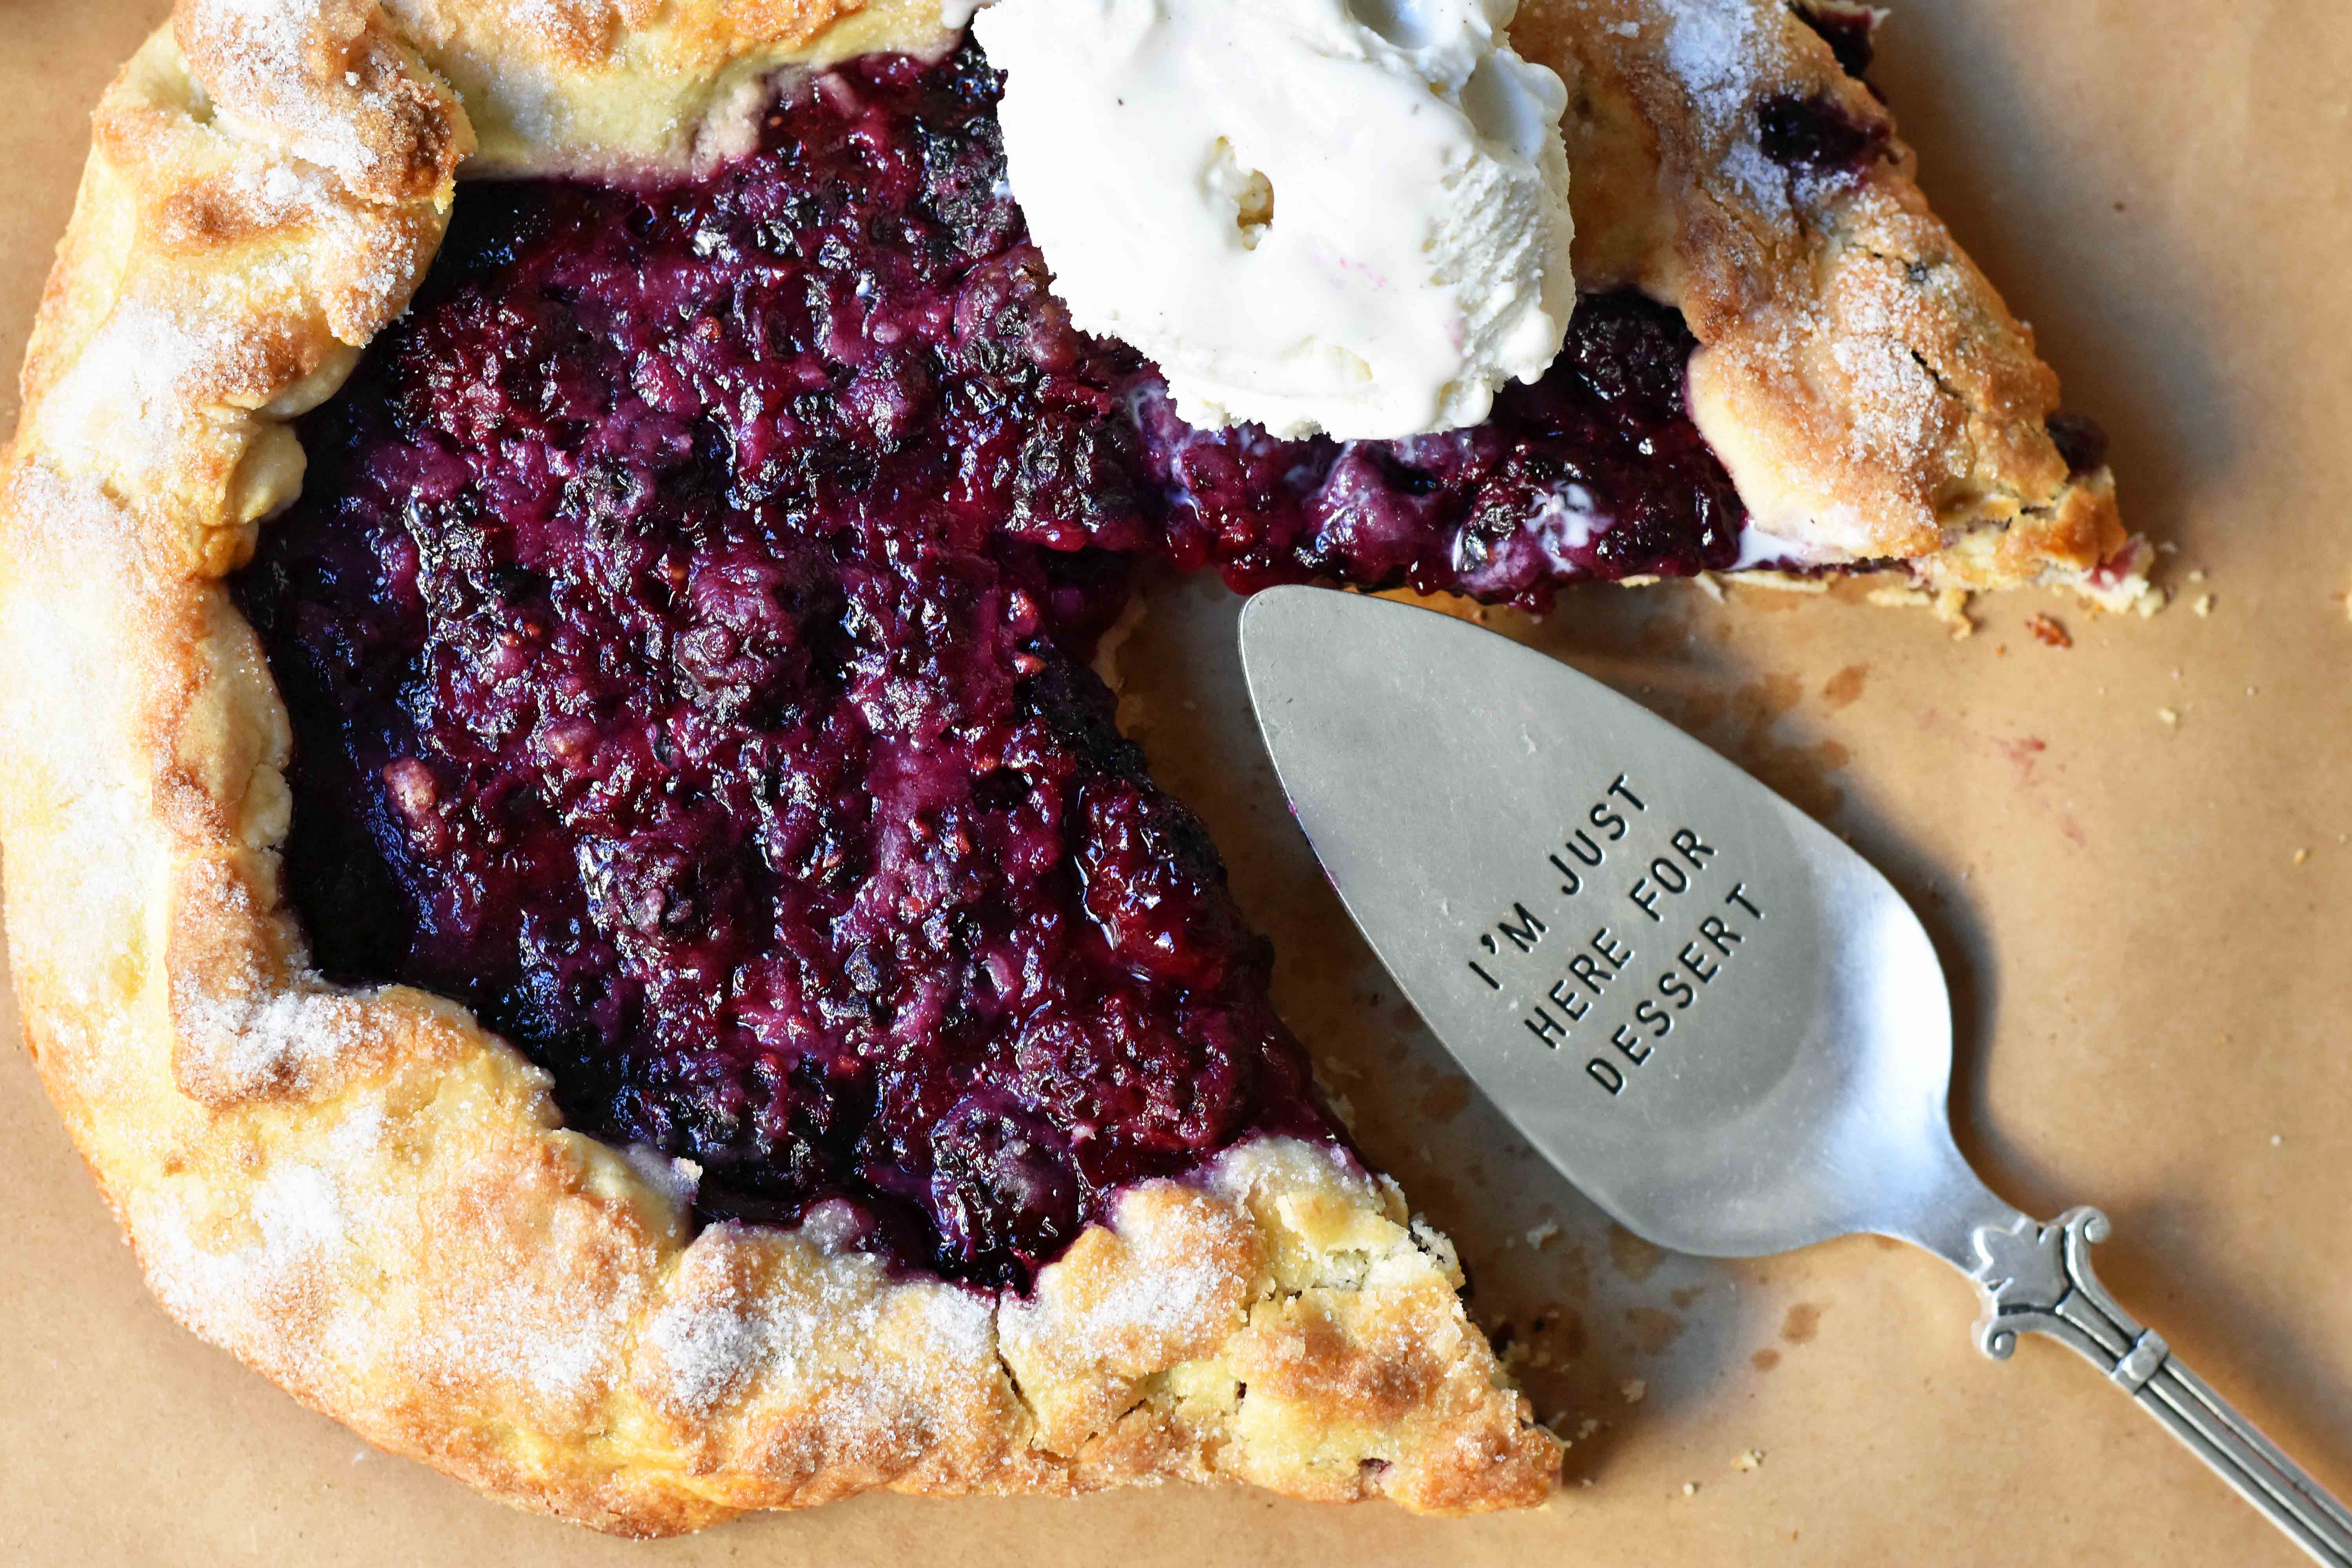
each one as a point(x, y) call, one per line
point(373, 1201)
point(1870, 393)
point(598, 85)
point(330, 85)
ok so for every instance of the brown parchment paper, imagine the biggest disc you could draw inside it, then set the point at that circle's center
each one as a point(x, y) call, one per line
point(2144, 921)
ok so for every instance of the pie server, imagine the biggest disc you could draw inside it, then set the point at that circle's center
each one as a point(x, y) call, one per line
point(1711, 1015)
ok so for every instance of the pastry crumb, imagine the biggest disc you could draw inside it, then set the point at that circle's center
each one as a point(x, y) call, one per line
point(2204, 604)
point(1749, 1460)
point(2049, 630)
point(1949, 607)
point(2301, 855)
point(1710, 584)
point(2197, 574)
point(1787, 582)
point(1952, 609)
point(1690, 1488)
point(2276, 1139)
point(1633, 1389)
point(1538, 1235)
point(2168, 716)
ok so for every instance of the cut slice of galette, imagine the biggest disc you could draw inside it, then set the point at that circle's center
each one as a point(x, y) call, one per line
point(567, 864)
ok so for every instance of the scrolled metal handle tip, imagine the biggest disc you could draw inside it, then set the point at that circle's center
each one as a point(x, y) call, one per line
point(2037, 1278)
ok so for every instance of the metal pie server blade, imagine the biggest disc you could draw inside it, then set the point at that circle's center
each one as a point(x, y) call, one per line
point(1712, 1015)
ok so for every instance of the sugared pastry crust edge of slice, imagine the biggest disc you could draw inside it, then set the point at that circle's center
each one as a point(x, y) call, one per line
point(1872, 396)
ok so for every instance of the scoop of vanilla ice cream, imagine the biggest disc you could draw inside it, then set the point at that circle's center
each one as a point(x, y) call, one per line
point(1338, 216)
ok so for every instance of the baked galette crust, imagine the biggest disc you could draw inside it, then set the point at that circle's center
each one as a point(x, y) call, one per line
point(372, 1200)
point(1869, 393)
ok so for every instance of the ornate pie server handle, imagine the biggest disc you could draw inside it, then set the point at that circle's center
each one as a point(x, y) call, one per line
point(2037, 1278)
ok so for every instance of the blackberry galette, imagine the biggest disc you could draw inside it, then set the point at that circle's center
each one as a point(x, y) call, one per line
point(569, 864)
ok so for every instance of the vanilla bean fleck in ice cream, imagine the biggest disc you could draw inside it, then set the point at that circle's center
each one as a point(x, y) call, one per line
point(1339, 216)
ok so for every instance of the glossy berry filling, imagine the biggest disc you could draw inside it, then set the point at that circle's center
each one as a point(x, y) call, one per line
point(686, 625)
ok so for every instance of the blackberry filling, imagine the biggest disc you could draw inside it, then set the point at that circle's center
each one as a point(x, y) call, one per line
point(2080, 441)
point(685, 627)
point(1847, 28)
point(1819, 135)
